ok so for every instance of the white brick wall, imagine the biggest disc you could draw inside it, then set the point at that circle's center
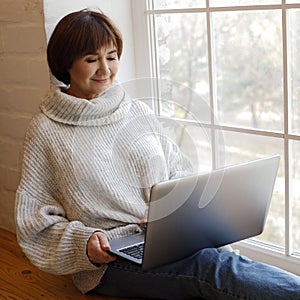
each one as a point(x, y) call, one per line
point(24, 79)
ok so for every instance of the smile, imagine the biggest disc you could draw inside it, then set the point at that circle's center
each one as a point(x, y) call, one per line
point(101, 80)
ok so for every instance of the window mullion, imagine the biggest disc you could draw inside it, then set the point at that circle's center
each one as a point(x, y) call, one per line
point(288, 210)
point(154, 59)
point(212, 86)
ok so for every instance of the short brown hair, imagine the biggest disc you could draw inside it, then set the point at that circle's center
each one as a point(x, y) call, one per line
point(77, 34)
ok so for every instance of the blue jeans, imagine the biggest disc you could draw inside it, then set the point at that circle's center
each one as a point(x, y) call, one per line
point(208, 274)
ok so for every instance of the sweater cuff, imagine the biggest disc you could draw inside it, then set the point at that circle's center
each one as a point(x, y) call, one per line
point(83, 261)
point(122, 231)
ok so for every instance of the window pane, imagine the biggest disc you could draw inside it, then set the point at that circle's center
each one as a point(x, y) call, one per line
point(182, 60)
point(292, 1)
point(294, 63)
point(245, 147)
point(248, 47)
point(193, 140)
point(295, 194)
point(159, 4)
point(243, 2)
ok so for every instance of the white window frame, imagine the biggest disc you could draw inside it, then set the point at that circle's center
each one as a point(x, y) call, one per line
point(145, 60)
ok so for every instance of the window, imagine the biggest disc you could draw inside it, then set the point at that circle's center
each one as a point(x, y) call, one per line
point(225, 73)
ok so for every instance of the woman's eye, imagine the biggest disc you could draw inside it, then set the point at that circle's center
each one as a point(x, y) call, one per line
point(91, 60)
point(112, 58)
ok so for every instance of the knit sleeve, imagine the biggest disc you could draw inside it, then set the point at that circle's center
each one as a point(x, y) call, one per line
point(48, 239)
point(179, 164)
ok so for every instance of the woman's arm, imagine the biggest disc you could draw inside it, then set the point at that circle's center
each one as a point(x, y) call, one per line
point(48, 238)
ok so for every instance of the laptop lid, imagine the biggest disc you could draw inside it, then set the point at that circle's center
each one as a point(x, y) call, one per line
point(208, 210)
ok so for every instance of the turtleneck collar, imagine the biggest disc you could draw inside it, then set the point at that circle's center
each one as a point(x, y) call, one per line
point(107, 108)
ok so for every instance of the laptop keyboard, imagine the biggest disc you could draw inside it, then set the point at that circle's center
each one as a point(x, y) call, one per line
point(135, 251)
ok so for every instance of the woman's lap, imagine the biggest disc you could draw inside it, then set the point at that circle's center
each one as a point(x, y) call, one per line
point(209, 274)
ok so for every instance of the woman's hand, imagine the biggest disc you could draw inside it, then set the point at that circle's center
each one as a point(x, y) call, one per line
point(144, 220)
point(97, 249)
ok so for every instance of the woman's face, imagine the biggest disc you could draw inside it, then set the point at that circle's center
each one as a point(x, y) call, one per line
point(92, 74)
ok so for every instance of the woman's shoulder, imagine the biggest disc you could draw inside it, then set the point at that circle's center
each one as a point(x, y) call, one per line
point(39, 121)
point(39, 127)
point(142, 107)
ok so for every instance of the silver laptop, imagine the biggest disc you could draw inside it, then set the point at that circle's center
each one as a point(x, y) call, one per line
point(201, 211)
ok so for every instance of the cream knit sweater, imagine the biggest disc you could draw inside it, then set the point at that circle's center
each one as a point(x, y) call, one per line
point(87, 166)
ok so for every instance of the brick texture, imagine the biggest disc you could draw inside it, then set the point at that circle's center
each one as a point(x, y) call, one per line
point(24, 80)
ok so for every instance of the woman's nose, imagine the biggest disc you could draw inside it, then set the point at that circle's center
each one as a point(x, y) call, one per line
point(103, 68)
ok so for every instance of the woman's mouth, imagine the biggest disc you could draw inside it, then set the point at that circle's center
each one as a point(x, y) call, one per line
point(105, 80)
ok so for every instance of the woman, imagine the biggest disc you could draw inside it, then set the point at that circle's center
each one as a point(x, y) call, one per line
point(90, 158)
